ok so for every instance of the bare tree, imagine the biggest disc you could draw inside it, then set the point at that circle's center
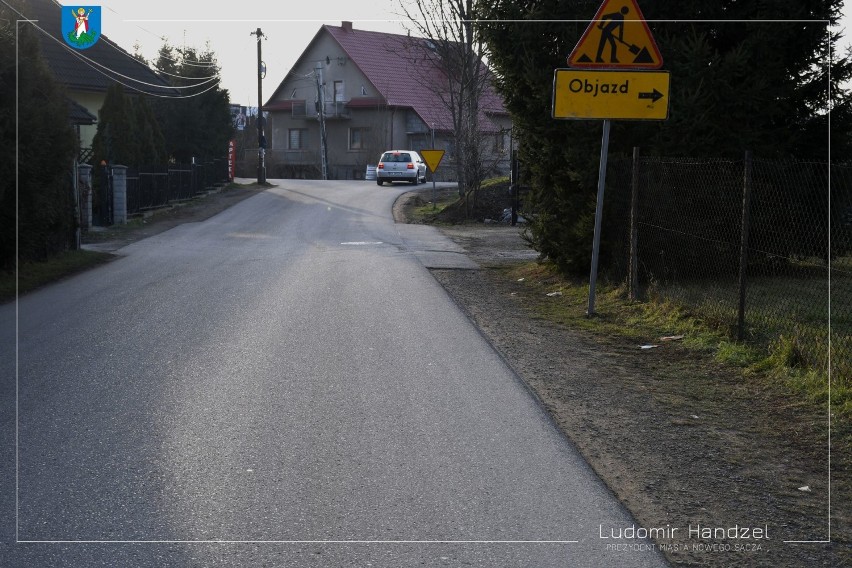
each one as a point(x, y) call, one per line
point(453, 48)
point(376, 140)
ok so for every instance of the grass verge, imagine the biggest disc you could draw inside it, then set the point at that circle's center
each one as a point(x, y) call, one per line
point(450, 209)
point(648, 323)
point(422, 211)
point(34, 275)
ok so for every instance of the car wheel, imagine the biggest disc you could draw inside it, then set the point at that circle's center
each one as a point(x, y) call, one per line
point(379, 181)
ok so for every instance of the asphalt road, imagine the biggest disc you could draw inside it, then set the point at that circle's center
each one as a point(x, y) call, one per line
point(284, 384)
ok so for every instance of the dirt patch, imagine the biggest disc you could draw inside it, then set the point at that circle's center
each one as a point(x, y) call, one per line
point(682, 441)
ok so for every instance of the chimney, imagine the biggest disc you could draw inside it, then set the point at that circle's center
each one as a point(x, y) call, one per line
point(347, 26)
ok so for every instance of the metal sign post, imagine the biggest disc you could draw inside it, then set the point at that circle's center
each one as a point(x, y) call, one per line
point(605, 84)
point(596, 244)
point(434, 187)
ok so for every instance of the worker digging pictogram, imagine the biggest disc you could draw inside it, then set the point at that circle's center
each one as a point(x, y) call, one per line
point(617, 38)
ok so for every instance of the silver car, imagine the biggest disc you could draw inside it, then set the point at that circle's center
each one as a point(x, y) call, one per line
point(401, 165)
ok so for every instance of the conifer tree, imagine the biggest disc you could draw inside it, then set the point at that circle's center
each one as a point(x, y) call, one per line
point(116, 140)
point(40, 145)
point(745, 75)
point(197, 125)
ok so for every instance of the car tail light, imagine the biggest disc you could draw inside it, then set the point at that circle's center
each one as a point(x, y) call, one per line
point(410, 166)
point(381, 166)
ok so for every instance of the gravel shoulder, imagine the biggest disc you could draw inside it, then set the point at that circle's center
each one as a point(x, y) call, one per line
point(684, 442)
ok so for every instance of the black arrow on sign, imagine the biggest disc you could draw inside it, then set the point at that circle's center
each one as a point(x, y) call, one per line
point(655, 95)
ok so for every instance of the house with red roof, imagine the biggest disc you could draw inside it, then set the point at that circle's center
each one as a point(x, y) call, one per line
point(372, 92)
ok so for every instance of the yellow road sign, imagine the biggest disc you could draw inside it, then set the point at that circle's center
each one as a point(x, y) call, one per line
point(432, 158)
point(597, 94)
point(617, 38)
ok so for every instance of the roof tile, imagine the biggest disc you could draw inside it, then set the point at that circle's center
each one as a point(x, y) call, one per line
point(391, 64)
point(108, 60)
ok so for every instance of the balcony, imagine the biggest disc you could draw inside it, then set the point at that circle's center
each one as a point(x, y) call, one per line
point(333, 110)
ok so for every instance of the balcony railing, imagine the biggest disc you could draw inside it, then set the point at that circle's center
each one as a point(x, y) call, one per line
point(336, 109)
point(308, 109)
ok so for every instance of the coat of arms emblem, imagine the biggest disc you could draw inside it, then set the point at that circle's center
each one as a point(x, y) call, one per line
point(81, 25)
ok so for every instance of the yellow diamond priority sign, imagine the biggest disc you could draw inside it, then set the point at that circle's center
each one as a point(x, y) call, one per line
point(432, 158)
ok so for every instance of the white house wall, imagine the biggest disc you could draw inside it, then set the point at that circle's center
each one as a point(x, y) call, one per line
point(92, 102)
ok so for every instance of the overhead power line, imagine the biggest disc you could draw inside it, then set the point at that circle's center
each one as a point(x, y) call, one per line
point(113, 75)
point(163, 39)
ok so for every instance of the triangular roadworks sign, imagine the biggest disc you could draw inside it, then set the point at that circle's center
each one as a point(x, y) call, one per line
point(618, 38)
point(432, 158)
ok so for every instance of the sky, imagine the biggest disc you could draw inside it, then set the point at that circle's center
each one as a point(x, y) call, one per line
point(227, 26)
point(288, 27)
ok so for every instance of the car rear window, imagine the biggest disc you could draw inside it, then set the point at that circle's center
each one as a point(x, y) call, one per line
point(396, 157)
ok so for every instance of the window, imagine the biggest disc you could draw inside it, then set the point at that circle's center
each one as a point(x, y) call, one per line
point(414, 124)
point(358, 138)
point(363, 91)
point(293, 94)
point(299, 109)
point(297, 138)
point(500, 142)
point(338, 92)
point(396, 157)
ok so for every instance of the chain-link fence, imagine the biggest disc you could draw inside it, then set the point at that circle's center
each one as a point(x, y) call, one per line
point(762, 249)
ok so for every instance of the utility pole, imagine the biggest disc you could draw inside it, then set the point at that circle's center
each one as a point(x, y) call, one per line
point(321, 116)
point(261, 139)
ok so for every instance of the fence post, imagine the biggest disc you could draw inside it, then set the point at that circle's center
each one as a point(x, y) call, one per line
point(633, 265)
point(105, 197)
point(119, 188)
point(746, 219)
point(193, 178)
point(84, 176)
